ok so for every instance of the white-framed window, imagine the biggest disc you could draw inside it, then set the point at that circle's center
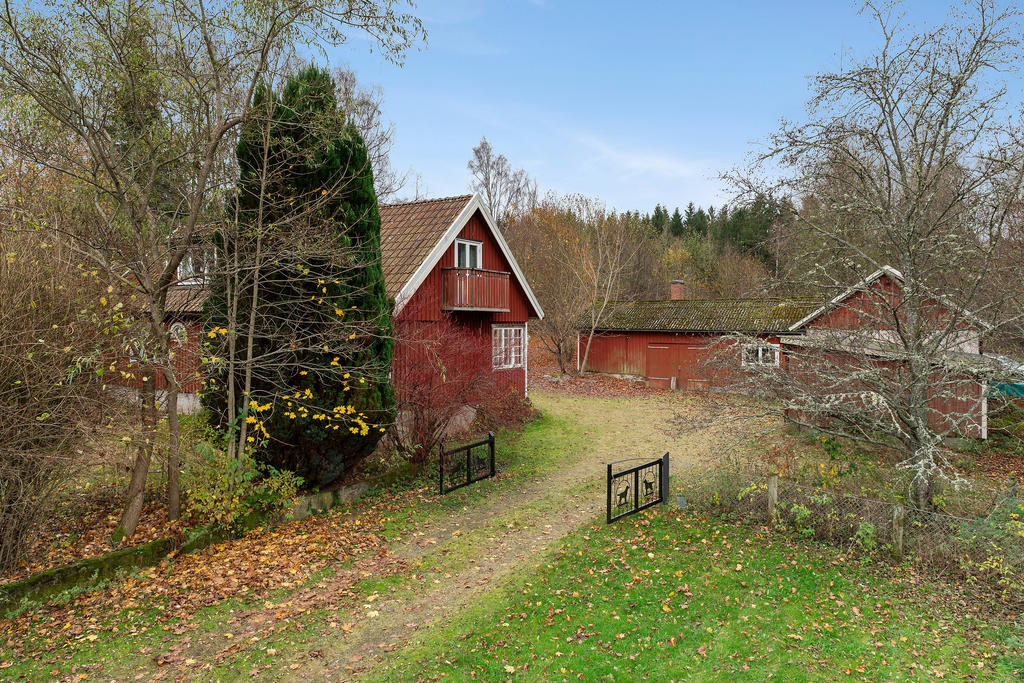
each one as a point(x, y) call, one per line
point(760, 354)
point(178, 333)
point(195, 267)
point(508, 347)
point(467, 254)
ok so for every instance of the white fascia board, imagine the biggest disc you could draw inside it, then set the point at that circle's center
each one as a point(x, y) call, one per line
point(421, 273)
point(472, 206)
point(884, 270)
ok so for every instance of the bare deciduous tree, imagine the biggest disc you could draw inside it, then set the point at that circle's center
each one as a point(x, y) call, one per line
point(364, 106)
point(507, 192)
point(599, 261)
point(152, 94)
point(543, 240)
point(909, 159)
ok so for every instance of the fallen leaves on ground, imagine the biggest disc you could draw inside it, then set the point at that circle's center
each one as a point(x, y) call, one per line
point(544, 373)
point(81, 527)
point(248, 569)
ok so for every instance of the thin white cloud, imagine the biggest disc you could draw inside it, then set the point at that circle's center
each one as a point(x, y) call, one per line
point(632, 161)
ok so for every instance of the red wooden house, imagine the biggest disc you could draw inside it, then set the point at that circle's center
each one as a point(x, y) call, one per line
point(447, 257)
point(856, 328)
point(440, 257)
point(677, 343)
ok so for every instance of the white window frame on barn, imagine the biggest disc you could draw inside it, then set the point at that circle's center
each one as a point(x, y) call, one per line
point(469, 247)
point(508, 347)
point(760, 355)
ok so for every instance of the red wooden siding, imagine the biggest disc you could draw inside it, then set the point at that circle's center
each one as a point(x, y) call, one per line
point(879, 307)
point(693, 361)
point(409, 350)
point(956, 402)
point(187, 363)
point(426, 303)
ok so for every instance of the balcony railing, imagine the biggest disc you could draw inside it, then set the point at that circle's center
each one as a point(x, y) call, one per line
point(474, 289)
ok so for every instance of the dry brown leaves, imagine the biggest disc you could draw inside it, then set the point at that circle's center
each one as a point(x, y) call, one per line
point(82, 528)
point(544, 374)
point(283, 557)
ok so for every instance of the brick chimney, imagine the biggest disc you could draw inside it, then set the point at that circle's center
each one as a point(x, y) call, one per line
point(677, 290)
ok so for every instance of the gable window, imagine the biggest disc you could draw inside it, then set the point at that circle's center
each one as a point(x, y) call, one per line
point(760, 354)
point(195, 267)
point(467, 254)
point(178, 333)
point(508, 347)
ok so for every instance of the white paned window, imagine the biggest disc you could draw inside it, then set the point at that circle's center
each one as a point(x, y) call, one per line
point(467, 254)
point(196, 267)
point(760, 354)
point(508, 347)
point(178, 333)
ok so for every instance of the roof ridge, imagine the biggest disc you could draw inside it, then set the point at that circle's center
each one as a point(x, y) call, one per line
point(806, 300)
point(465, 197)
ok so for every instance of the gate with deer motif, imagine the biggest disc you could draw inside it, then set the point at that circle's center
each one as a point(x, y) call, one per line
point(636, 488)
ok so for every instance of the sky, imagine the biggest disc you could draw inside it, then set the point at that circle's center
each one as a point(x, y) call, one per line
point(635, 103)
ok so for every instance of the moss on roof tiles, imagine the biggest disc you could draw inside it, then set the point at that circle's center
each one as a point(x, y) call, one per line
point(704, 315)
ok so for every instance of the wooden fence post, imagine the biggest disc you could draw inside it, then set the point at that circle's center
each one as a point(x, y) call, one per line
point(773, 497)
point(899, 517)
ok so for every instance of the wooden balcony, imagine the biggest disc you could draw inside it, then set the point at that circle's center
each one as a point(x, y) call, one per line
point(474, 289)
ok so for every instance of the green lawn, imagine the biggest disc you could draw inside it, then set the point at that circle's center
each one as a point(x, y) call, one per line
point(667, 595)
point(662, 595)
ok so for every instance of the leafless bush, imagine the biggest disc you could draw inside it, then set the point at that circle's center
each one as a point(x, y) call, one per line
point(48, 378)
point(988, 549)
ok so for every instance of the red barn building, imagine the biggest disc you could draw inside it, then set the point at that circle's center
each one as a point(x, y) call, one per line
point(673, 343)
point(676, 343)
point(440, 257)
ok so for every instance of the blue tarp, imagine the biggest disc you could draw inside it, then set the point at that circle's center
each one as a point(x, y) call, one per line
point(1009, 388)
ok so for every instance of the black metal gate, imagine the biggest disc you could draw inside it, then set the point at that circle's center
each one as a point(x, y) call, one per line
point(636, 488)
point(461, 466)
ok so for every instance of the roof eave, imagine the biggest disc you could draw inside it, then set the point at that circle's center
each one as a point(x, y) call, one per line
point(420, 275)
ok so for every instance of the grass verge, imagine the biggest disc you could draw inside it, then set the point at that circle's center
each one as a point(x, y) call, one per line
point(674, 596)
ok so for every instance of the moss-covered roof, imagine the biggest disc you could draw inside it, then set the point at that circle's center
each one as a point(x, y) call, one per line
point(703, 315)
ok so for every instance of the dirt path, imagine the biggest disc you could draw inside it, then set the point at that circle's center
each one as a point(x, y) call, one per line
point(514, 527)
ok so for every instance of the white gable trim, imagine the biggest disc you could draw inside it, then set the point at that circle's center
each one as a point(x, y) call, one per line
point(472, 206)
point(884, 270)
point(862, 285)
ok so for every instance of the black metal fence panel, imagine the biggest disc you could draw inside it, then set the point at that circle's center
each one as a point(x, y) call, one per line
point(467, 464)
point(637, 488)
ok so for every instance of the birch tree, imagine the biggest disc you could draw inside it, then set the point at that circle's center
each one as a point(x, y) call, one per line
point(506, 191)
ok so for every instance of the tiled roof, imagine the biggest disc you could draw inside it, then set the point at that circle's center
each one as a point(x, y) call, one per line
point(185, 299)
point(704, 315)
point(408, 233)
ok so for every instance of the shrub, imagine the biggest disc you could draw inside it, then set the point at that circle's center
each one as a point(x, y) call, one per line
point(441, 368)
point(56, 322)
point(507, 410)
point(226, 490)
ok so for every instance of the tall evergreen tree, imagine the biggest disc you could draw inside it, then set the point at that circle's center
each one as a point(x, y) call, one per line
point(700, 222)
point(321, 337)
point(675, 224)
point(688, 216)
point(659, 220)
